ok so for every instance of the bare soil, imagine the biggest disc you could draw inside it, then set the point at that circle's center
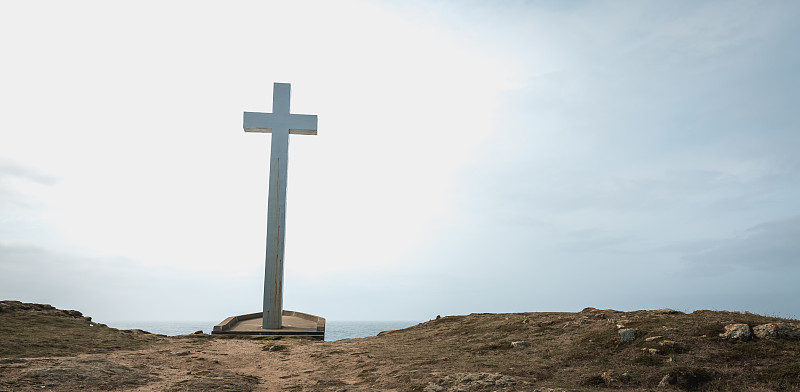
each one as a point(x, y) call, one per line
point(48, 349)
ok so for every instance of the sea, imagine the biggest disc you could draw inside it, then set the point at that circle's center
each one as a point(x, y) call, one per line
point(334, 330)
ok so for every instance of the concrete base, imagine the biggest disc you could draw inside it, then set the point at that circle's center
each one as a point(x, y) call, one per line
point(293, 324)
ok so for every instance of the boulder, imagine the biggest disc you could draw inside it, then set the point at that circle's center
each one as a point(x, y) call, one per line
point(777, 330)
point(737, 332)
point(627, 335)
point(770, 330)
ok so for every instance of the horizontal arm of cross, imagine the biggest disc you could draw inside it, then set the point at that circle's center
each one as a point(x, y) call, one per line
point(298, 124)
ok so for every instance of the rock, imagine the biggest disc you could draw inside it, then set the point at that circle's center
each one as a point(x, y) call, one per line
point(776, 330)
point(737, 332)
point(627, 335)
point(651, 338)
point(200, 332)
point(180, 353)
point(794, 333)
point(520, 344)
point(767, 331)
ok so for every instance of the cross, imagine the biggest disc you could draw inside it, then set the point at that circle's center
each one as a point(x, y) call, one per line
point(280, 123)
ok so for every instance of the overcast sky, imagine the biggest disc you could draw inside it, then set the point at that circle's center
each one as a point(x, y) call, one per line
point(471, 157)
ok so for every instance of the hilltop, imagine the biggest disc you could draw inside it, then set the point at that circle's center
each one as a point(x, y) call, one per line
point(43, 348)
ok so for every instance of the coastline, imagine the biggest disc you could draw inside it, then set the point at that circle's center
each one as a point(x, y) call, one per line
point(335, 330)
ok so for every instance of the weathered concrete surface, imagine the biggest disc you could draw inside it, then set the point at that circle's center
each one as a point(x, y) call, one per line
point(293, 324)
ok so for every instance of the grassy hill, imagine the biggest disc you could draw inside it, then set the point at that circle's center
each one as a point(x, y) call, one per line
point(584, 350)
point(37, 330)
point(592, 350)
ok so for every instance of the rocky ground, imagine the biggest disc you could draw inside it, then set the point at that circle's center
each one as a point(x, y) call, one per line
point(43, 348)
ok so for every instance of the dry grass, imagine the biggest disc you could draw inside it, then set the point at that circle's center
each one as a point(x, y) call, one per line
point(572, 350)
point(41, 334)
point(575, 351)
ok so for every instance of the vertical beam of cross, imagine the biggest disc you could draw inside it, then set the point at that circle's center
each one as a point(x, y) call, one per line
point(280, 123)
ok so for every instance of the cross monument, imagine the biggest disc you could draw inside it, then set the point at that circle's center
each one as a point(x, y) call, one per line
point(280, 123)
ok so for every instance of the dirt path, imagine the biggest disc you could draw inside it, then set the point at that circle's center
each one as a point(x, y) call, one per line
point(226, 364)
point(205, 364)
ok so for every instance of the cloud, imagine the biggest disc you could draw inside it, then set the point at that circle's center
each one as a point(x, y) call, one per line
point(20, 183)
point(10, 169)
point(469, 155)
point(120, 288)
point(771, 246)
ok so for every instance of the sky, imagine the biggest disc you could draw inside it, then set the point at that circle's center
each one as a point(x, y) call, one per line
point(513, 156)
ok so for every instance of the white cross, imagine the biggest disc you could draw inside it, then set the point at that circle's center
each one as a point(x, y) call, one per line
point(280, 123)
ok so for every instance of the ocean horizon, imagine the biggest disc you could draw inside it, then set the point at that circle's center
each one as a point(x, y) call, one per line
point(334, 330)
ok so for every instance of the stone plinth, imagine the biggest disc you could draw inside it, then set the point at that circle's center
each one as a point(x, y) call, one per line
point(293, 324)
